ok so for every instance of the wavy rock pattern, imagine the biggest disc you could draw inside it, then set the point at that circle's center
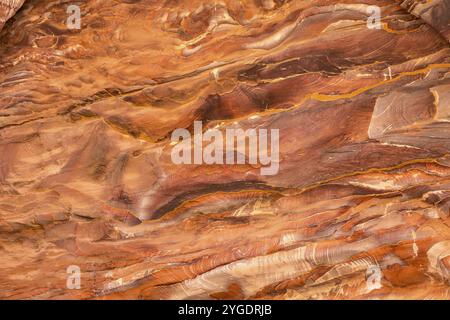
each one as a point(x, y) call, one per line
point(433, 12)
point(86, 176)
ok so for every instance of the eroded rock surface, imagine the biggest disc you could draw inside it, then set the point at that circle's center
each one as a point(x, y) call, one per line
point(7, 9)
point(86, 176)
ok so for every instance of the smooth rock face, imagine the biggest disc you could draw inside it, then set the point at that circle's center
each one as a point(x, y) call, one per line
point(359, 208)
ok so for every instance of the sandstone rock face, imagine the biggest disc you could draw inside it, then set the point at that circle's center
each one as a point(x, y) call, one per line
point(358, 209)
point(434, 12)
point(7, 9)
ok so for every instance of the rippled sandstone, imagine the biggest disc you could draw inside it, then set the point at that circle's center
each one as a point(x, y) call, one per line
point(87, 179)
point(7, 9)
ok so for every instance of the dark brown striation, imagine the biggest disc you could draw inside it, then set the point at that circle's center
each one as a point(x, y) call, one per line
point(86, 176)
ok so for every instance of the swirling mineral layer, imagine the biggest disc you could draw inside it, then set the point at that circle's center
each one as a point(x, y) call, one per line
point(359, 208)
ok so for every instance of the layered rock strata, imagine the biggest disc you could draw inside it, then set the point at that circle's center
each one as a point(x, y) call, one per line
point(87, 179)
